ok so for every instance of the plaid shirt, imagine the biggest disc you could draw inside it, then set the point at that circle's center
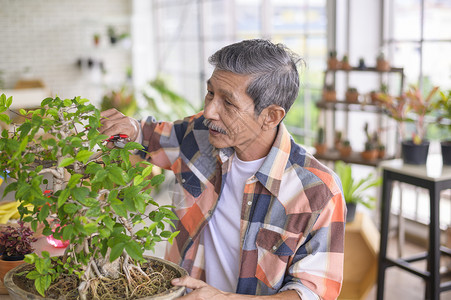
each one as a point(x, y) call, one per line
point(292, 217)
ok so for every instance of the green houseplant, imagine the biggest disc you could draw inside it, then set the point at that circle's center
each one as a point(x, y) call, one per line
point(411, 107)
point(98, 198)
point(443, 106)
point(354, 191)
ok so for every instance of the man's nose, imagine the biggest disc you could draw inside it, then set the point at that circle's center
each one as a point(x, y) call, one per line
point(211, 110)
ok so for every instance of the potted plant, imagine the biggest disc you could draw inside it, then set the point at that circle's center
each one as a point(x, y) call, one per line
point(362, 65)
point(354, 191)
point(15, 242)
point(375, 95)
point(338, 136)
point(443, 105)
point(411, 107)
point(345, 63)
point(381, 63)
point(345, 148)
point(332, 61)
point(352, 95)
point(96, 38)
point(329, 93)
point(370, 151)
point(98, 198)
point(320, 144)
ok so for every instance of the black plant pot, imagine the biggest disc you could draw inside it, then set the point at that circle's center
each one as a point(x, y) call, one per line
point(13, 258)
point(415, 154)
point(446, 152)
point(350, 215)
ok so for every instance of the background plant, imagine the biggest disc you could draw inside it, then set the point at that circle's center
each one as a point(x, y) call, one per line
point(356, 191)
point(98, 195)
point(16, 240)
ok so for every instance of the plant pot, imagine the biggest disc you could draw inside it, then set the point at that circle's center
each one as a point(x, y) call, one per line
point(382, 65)
point(5, 266)
point(16, 293)
point(345, 151)
point(369, 154)
point(350, 215)
point(446, 152)
point(352, 97)
point(320, 148)
point(333, 64)
point(414, 154)
point(330, 96)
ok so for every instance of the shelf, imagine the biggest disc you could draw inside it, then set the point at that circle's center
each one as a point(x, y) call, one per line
point(354, 158)
point(367, 69)
point(350, 106)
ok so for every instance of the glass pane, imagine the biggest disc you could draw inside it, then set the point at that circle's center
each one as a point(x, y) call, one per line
point(437, 19)
point(407, 56)
point(248, 15)
point(437, 65)
point(288, 17)
point(407, 19)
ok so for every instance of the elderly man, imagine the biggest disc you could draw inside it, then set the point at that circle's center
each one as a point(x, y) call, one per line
point(258, 214)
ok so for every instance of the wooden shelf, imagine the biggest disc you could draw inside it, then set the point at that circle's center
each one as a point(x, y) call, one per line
point(354, 158)
point(350, 106)
point(367, 69)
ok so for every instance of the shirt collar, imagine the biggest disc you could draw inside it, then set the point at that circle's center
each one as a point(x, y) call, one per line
point(271, 172)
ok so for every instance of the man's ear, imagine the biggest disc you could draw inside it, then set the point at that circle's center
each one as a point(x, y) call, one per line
point(273, 115)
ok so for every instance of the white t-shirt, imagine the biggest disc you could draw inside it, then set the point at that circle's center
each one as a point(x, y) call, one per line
point(221, 236)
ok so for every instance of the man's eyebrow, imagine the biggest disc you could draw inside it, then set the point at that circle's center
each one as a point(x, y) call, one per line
point(228, 94)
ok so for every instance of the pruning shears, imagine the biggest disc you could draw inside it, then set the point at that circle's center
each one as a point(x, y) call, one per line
point(119, 140)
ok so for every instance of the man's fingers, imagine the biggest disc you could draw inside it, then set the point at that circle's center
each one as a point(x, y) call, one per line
point(188, 282)
point(110, 113)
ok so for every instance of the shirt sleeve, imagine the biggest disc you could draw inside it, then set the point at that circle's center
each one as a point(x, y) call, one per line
point(317, 266)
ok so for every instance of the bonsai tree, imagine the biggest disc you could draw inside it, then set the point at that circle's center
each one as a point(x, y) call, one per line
point(16, 241)
point(97, 197)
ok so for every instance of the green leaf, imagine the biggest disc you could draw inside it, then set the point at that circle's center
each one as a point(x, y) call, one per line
point(120, 210)
point(84, 155)
point(67, 232)
point(116, 251)
point(67, 102)
point(9, 101)
point(33, 275)
point(117, 175)
point(138, 179)
point(157, 180)
point(93, 211)
point(43, 213)
point(42, 283)
point(66, 162)
point(74, 180)
point(134, 250)
point(90, 228)
point(147, 171)
point(80, 194)
point(71, 208)
point(5, 118)
point(100, 176)
point(62, 198)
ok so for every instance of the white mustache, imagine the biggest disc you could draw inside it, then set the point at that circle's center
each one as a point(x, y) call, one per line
point(210, 125)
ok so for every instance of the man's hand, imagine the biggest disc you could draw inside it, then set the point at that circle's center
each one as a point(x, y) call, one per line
point(201, 290)
point(114, 122)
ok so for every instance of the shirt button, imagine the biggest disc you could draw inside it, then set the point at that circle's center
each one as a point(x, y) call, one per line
point(249, 203)
point(183, 180)
point(274, 248)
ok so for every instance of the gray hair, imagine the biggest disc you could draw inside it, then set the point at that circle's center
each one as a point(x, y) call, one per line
point(273, 67)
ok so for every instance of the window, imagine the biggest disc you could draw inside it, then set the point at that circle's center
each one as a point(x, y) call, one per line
point(188, 32)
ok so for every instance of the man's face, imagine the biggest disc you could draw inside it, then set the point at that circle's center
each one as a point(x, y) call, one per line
point(229, 112)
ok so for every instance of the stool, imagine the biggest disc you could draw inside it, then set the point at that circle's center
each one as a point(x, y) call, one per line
point(434, 177)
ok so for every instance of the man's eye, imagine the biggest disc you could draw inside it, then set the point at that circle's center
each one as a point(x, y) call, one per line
point(210, 93)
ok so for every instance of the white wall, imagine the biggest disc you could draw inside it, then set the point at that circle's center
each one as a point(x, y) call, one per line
point(48, 36)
